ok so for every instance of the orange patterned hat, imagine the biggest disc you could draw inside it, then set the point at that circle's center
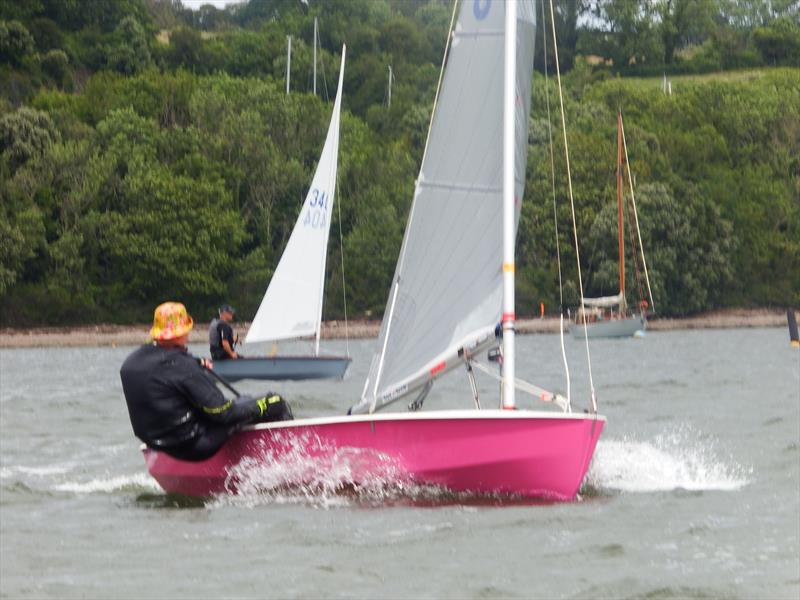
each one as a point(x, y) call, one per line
point(170, 321)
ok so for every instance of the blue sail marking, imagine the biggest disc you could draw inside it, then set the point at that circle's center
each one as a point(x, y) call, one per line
point(480, 8)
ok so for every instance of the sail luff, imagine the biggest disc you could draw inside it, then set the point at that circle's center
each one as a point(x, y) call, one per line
point(333, 165)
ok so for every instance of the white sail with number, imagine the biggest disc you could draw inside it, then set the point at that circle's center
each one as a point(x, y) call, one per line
point(292, 304)
point(446, 293)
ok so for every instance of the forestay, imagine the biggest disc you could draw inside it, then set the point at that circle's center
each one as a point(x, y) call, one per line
point(292, 304)
point(447, 289)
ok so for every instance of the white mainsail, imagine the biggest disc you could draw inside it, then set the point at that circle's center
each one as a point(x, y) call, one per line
point(447, 289)
point(292, 304)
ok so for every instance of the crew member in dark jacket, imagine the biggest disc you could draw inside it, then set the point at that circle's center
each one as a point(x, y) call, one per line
point(173, 405)
point(220, 334)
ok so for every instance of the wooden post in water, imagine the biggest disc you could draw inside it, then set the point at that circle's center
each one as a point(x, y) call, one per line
point(794, 339)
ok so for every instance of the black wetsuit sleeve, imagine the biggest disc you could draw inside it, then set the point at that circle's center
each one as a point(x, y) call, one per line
point(225, 333)
point(207, 398)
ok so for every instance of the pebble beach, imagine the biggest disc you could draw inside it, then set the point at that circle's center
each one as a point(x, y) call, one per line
point(131, 335)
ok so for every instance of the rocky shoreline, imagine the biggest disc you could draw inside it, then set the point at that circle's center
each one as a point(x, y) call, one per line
point(132, 335)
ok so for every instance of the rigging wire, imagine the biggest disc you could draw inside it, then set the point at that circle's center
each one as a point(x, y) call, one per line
point(634, 242)
point(635, 252)
point(525, 386)
point(627, 207)
point(636, 218)
point(555, 210)
point(572, 207)
point(344, 286)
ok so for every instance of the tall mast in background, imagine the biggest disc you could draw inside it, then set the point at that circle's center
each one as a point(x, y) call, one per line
point(315, 56)
point(288, 61)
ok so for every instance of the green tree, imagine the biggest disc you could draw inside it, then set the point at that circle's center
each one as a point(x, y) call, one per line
point(688, 265)
point(185, 49)
point(567, 14)
point(16, 42)
point(402, 40)
point(779, 43)
point(632, 38)
point(129, 52)
point(24, 134)
point(21, 235)
point(105, 16)
point(681, 21)
point(137, 262)
point(47, 34)
point(56, 64)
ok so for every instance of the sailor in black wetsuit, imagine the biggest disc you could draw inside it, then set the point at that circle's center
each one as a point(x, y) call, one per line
point(220, 334)
point(173, 405)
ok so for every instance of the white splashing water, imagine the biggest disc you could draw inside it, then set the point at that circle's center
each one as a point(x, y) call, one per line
point(674, 460)
point(307, 470)
point(110, 484)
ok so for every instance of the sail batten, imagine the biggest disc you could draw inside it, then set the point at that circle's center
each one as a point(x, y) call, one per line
point(478, 34)
point(447, 289)
point(445, 185)
point(292, 305)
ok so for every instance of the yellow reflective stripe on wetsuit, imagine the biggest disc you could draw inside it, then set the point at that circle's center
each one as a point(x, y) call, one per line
point(217, 410)
point(262, 402)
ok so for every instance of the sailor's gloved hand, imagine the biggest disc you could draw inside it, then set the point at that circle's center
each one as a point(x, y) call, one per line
point(274, 408)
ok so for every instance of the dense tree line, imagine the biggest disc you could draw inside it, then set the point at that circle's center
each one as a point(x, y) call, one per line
point(150, 152)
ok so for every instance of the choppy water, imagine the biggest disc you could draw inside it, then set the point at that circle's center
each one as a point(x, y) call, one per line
point(694, 490)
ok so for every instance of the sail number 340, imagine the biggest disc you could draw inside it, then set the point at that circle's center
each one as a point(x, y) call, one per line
point(317, 210)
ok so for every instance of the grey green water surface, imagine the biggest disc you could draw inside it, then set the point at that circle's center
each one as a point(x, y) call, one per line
point(694, 490)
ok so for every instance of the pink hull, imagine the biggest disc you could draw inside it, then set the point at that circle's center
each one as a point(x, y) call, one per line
point(531, 454)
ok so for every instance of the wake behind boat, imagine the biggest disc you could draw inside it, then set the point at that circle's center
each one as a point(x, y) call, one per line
point(454, 282)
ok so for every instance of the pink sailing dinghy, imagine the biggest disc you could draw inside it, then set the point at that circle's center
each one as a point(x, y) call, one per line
point(525, 453)
point(454, 282)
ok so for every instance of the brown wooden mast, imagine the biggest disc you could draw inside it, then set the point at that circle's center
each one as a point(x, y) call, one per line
point(620, 160)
